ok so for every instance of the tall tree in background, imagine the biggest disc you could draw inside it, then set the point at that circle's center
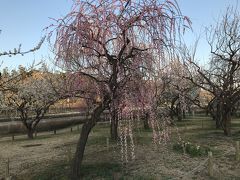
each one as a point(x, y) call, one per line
point(109, 42)
point(179, 94)
point(221, 78)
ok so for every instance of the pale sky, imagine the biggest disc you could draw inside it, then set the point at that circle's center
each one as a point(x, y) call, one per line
point(23, 21)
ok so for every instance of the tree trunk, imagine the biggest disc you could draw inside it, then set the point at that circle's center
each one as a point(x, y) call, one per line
point(145, 121)
point(114, 125)
point(227, 122)
point(30, 132)
point(179, 113)
point(218, 116)
point(86, 129)
point(77, 161)
point(184, 114)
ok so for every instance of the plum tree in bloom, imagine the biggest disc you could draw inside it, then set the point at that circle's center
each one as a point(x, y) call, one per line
point(178, 94)
point(32, 95)
point(108, 42)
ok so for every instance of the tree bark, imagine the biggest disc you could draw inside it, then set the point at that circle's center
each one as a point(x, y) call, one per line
point(86, 129)
point(145, 121)
point(184, 114)
point(218, 116)
point(179, 112)
point(114, 125)
point(227, 122)
point(77, 161)
point(30, 133)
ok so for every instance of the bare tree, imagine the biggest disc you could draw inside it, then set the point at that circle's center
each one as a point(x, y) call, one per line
point(221, 78)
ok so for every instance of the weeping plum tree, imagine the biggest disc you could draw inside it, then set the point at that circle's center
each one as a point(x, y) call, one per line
point(108, 43)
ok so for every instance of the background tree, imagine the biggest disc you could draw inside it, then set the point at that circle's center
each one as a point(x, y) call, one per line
point(221, 78)
point(31, 93)
point(178, 94)
point(107, 41)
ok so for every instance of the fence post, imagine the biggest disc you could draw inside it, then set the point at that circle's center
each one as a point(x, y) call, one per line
point(193, 113)
point(107, 141)
point(12, 137)
point(69, 155)
point(237, 151)
point(184, 149)
point(210, 164)
point(55, 131)
point(71, 129)
point(7, 169)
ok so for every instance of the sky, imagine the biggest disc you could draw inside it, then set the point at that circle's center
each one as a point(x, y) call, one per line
point(23, 22)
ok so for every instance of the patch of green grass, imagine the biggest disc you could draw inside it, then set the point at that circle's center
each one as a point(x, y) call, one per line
point(98, 140)
point(143, 140)
point(193, 150)
point(101, 171)
point(139, 177)
point(59, 171)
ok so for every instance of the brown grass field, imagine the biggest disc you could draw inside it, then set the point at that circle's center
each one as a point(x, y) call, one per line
point(49, 156)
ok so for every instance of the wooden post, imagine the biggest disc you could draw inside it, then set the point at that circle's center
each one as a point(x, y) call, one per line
point(210, 164)
point(107, 141)
point(7, 168)
point(69, 155)
point(193, 113)
point(13, 137)
point(184, 149)
point(35, 133)
point(71, 129)
point(55, 131)
point(237, 151)
point(185, 127)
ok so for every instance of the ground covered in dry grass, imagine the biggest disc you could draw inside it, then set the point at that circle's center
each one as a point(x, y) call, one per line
point(49, 156)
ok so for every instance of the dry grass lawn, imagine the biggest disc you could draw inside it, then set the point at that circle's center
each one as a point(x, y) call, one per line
point(49, 156)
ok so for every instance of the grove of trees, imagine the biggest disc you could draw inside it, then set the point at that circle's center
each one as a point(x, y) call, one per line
point(127, 57)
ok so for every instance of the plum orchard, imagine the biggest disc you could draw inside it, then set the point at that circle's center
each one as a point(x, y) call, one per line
point(113, 44)
point(31, 93)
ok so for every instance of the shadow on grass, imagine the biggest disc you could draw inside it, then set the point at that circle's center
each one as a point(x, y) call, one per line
point(61, 171)
point(100, 171)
